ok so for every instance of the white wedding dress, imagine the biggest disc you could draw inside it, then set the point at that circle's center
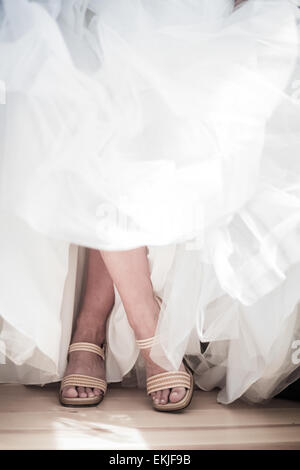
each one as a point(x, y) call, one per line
point(173, 124)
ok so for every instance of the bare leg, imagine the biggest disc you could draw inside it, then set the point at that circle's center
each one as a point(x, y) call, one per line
point(130, 273)
point(97, 303)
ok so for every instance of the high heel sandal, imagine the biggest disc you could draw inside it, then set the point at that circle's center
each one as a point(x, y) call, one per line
point(166, 380)
point(78, 380)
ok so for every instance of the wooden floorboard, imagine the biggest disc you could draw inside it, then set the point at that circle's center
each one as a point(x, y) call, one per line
point(32, 418)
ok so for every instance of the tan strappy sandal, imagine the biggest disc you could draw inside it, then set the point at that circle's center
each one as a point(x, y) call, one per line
point(170, 379)
point(78, 380)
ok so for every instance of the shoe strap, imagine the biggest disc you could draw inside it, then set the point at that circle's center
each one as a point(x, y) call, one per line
point(168, 380)
point(149, 342)
point(88, 347)
point(78, 380)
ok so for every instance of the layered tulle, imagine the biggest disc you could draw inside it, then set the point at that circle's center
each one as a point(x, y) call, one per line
point(168, 124)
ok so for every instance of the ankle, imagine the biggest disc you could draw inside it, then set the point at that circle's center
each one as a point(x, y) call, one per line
point(143, 327)
point(90, 330)
point(143, 317)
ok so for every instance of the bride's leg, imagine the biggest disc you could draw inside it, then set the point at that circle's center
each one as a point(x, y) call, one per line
point(130, 273)
point(97, 303)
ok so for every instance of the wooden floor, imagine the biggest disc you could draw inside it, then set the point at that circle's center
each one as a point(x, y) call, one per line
point(31, 418)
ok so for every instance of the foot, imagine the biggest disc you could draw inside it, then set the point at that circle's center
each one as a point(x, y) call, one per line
point(86, 363)
point(145, 329)
point(162, 397)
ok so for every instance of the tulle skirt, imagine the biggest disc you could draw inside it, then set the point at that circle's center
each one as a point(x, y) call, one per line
point(167, 124)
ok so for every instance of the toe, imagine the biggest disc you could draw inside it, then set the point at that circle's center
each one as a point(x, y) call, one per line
point(164, 396)
point(90, 392)
point(97, 392)
point(177, 394)
point(157, 397)
point(69, 392)
point(82, 392)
